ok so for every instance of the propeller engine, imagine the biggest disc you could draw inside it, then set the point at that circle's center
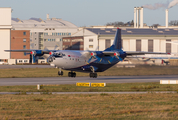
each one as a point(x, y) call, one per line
point(36, 53)
point(54, 55)
point(95, 56)
point(115, 55)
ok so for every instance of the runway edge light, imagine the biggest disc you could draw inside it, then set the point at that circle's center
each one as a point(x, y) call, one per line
point(83, 84)
point(168, 81)
point(98, 84)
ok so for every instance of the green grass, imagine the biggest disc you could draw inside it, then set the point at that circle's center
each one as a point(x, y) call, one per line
point(110, 87)
point(52, 72)
point(90, 107)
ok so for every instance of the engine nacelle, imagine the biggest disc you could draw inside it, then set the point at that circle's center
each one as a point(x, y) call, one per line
point(37, 53)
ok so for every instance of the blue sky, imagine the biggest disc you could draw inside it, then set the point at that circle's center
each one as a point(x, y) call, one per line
point(89, 12)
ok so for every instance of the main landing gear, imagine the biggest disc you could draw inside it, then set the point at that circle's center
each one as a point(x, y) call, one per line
point(93, 75)
point(71, 74)
point(60, 72)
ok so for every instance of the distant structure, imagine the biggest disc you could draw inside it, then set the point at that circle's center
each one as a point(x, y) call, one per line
point(54, 33)
point(45, 34)
point(138, 17)
point(20, 39)
point(167, 18)
point(149, 40)
point(5, 28)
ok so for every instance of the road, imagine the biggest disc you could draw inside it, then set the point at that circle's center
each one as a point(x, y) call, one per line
point(100, 79)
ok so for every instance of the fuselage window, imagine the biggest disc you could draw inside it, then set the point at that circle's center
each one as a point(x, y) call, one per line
point(72, 58)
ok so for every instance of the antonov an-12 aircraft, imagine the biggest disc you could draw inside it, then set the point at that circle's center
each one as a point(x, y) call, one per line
point(86, 61)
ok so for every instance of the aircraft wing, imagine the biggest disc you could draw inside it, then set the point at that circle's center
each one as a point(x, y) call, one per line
point(31, 50)
point(129, 53)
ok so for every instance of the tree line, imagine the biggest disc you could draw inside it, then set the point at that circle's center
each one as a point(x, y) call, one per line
point(131, 23)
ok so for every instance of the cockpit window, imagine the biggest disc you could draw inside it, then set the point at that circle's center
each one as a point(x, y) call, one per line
point(58, 55)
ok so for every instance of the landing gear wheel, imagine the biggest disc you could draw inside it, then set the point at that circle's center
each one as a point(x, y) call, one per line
point(60, 73)
point(93, 75)
point(74, 75)
point(71, 74)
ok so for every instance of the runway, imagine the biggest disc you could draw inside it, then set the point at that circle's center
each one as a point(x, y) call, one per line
point(100, 79)
point(24, 66)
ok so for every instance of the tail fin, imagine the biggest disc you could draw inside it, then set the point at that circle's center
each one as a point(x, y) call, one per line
point(117, 44)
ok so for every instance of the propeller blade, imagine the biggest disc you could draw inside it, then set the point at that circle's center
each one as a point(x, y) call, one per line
point(90, 59)
point(98, 58)
point(111, 60)
point(120, 59)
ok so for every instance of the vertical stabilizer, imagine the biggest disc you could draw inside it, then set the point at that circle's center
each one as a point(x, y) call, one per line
point(117, 44)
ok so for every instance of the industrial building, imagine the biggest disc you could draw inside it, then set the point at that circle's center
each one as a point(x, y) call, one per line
point(73, 43)
point(20, 39)
point(45, 34)
point(145, 39)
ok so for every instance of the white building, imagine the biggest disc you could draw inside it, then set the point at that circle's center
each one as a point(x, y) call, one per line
point(148, 40)
point(45, 34)
point(5, 27)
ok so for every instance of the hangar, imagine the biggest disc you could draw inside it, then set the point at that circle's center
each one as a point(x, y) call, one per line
point(145, 39)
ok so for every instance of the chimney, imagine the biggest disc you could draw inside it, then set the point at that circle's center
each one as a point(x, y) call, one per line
point(167, 18)
point(138, 16)
point(135, 17)
point(141, 17)
point(47, 16)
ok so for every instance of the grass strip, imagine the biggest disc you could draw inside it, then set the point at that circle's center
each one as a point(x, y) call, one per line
point(91, 106)
point(114, 71)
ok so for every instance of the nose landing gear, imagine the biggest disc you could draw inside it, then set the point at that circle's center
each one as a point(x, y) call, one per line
point(60, 72)
point(71, 74)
